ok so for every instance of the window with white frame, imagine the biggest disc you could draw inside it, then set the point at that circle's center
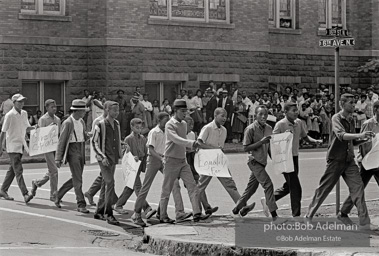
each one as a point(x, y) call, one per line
point(37, 92)
point(332, 13)
point(191, 10)
point(43, 7)
point(282, 14)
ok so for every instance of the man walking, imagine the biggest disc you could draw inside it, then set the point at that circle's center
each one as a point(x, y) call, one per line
point(71, 149)
point(46, 120)
point(14, 129)
point(340, 162)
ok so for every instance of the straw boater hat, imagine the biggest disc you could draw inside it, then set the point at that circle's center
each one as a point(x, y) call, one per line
point(180, 103)
point(78, 105)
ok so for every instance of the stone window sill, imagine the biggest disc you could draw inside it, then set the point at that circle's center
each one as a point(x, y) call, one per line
point(27, 16)
point(285, 31)
point(153, 21)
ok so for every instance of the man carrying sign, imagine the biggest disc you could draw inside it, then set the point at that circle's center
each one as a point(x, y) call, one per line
point(107, 144)
point(292, 185)
point(340, 162)
point(14, 129)
point(257, 141)
point(49, 119)
point(372, 125)
point(213, 136)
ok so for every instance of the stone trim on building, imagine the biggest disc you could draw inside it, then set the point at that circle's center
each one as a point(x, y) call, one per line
point(38, 75)
point(330, 80)
point(284, 79)
point(165, 77)
point(219, 77)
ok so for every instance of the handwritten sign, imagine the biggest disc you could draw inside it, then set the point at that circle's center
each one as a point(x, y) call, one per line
point(129, 169)
point(370, 161)
point(281, 152)
point(212, 162)
point(43, 140)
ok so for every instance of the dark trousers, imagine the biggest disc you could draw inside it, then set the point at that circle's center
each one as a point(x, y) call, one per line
point(258, 176)
point(106, 198)
point(15, 170)
point(291, 186)
point(366, 177)
point(350, 173)
point(96, 186)
point(76, 162)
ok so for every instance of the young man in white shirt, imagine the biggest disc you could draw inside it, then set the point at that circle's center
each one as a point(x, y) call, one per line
point(14, 129)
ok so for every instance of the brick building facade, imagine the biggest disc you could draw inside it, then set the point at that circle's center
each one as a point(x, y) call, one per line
point(58, 48)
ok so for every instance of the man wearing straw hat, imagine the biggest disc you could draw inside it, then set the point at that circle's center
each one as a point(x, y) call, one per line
point(71, 150)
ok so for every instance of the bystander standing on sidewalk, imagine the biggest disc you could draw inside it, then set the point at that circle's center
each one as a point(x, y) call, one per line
point(46, 120)
point(71, 149)
point(341, 162)
point(14, 129)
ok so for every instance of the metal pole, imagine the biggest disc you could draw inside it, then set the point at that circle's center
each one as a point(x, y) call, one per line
point(337, 97)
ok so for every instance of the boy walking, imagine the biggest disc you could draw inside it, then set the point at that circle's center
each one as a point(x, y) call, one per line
point(46, 120)
point(156, 144)
point(137, 145)
point(213, 136)
point(107, 144)
point(340, 162)
point(176, 165)
point(14, 129)
point(256, 141)
point(71, 150)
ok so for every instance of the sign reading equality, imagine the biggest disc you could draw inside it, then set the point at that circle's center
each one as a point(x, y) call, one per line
point(337, 42)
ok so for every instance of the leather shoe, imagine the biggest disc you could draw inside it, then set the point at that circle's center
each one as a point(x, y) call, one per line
point(167, 221)
point(27, 198)
point(245, 210)
point(90, 199)
point(136, 218)
point(211, 210)
point(98, 216)
point(5, 195)
point(33, 191)
point(197, 217)
point(150, 213)
point(83, 210)
point(112, 220)
point(57, 203)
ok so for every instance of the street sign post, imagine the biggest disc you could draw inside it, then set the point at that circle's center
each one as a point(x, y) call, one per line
point(341, 38)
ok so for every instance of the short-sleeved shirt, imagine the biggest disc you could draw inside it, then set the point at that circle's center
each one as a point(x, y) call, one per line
point(297, 130)
point(6, 106)
point(47, 120)
point(254, 133)
point(212, 135)
point(137, 144)
point(340, 149)
point(157, 139)
point(14, 126)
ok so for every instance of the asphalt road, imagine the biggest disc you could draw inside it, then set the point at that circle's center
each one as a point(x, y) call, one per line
point(49, 230)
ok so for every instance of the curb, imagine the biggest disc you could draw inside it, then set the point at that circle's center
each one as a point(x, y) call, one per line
point(168, 246)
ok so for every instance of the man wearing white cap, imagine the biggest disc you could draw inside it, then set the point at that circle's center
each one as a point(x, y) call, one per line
point(71, 149)
point(15, 127)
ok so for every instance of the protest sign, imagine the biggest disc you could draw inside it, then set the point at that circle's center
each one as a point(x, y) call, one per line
point(371, 159)
point(43, 140)
point(281, 152)
point(212, 162)
point(92, 156)
point(129, 169)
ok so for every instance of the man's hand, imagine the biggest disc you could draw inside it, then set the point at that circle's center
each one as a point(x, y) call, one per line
point(289, 131)
point(319, 142)
point(265, 140)
point(58, 164)
point(105, 162)
point(136, 158)
point(367, 135)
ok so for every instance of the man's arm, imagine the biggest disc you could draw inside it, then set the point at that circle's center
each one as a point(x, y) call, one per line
point(154, 153)
point(175, 138)
point(2, 141)
point(339, 131)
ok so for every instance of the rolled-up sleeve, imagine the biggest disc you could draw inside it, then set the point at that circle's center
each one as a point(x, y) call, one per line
point(337, 127)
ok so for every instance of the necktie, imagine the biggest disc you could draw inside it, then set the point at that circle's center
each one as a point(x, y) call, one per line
point(220, 103)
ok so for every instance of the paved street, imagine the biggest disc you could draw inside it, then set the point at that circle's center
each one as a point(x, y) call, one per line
point(46, 229)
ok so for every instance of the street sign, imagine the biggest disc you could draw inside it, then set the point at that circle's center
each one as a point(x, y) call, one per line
point(336, 32)
point(337, 42)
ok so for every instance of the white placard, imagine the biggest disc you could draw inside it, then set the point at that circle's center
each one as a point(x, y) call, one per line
point(43, 140)
point(129, 169)
point(281, 152)
point(371, 159)
point(212, 162)
point(92, 156)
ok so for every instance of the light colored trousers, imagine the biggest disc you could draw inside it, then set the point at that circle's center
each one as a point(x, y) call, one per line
point(52, 174)
point(173, 169)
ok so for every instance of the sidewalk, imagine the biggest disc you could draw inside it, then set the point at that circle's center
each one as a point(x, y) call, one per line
point(216, 236)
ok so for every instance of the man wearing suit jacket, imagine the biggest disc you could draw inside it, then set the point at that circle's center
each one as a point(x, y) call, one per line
point(211, 106)
point(227, 104)
point(71, 149)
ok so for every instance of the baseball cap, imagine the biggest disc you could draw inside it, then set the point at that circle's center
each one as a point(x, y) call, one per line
point(18, 97)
